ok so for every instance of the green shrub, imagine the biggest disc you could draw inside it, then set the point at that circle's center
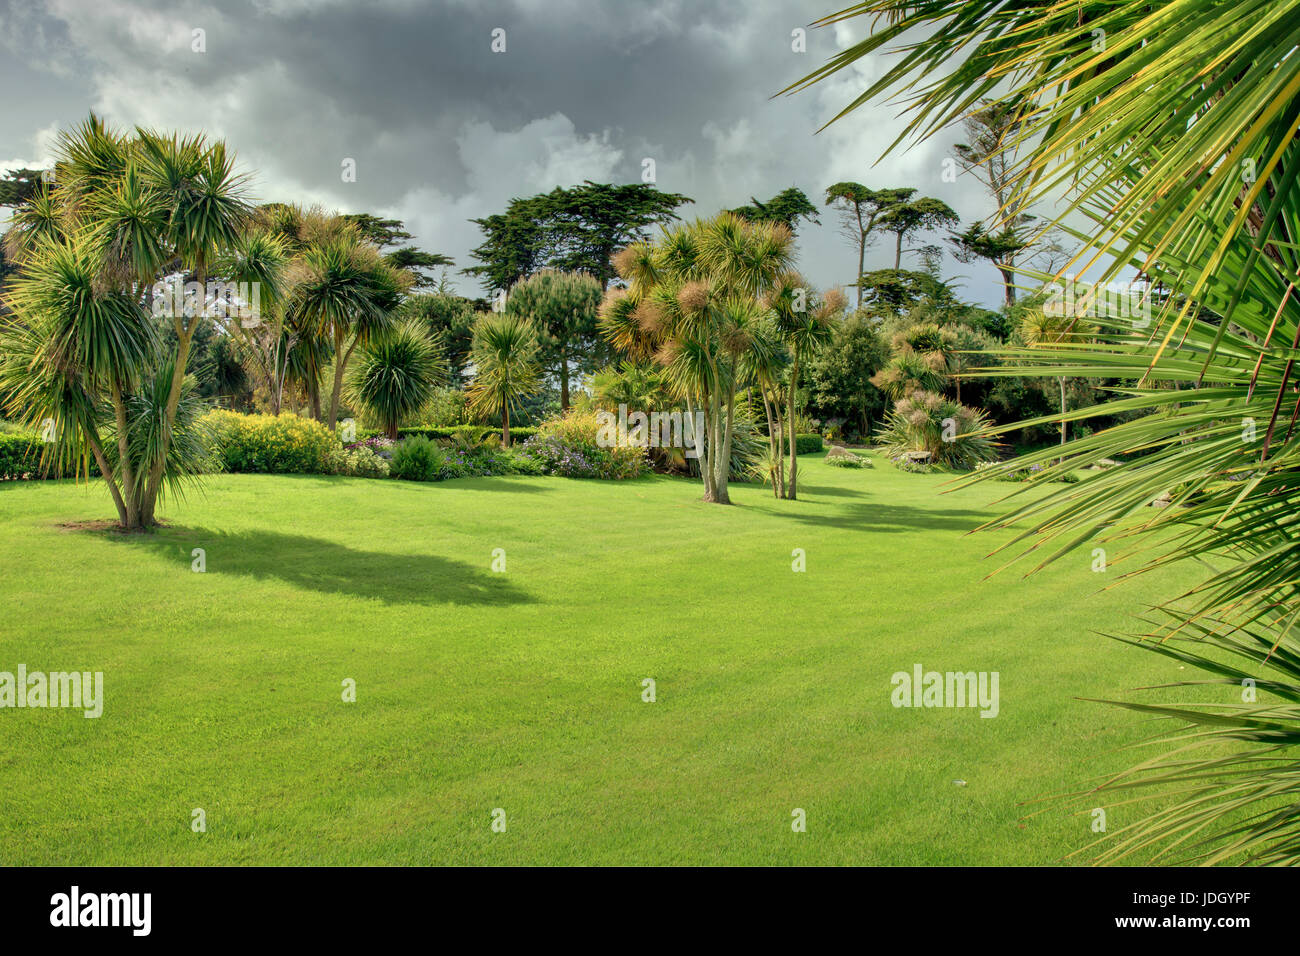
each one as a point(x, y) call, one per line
point(273, 444)
point(20, 455)
point(416, 459)
point(925, 422)
point(570, 447)
point(357, 462)
point(842, 461)
point(20, 458)
point(807, 444)
point(451, 433)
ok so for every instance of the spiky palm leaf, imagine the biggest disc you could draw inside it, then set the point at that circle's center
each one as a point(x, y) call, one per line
point(1170, 127)
point(506, 366)
point(395, 377)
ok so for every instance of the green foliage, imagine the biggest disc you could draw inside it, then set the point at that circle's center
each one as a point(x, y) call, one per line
point(562, 307)
point(949, 432)
point(576, 229)
point(393, 378)
point(419, 459)
point(279, 444)
point(448, 408)
point(416, 459)
point(787, 207)
point(573, 446)
point(506, 367)
point(450, 316)
point(357, 461)
point(847, 461)
point(475, 433)
point(20, 456)
point(808, 444)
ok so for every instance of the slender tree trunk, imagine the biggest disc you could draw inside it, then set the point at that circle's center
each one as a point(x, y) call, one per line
point(898, 251)
point(775, 465)
point(1063, 418)
point(862, 252)
point(710, 450)
point(505, 424)
point(102, 460)
point(131, 491)
point(564, 377)
point(1008, 285)
point(724, 460)
point(186, 336)
point(792, 490)
point(780, 443)
point(341, 359)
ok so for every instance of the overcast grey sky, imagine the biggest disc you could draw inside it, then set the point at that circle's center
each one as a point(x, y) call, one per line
point(443, 129)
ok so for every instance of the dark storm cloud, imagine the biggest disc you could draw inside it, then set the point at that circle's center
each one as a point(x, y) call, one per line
point(442, 129)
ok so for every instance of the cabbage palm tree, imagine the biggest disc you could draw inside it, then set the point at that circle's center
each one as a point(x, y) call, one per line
point(1044, 327)
point(695, 301)
point(126, 210)
point(395, 376)
point(804, 322)
point(1171, 130)
point(344, 291)
point(262, 257)
point(506, 366)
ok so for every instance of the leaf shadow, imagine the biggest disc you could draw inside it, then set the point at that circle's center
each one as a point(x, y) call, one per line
point(329, 567)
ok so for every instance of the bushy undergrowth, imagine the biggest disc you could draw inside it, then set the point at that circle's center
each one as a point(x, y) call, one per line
point(925, 422)
point(848, 461)
point(569, 447)
point(274, 444)
point(420, 459)
point(357, 462)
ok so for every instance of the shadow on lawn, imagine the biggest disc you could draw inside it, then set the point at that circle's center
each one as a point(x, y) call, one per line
point(887, 518)
point(830, 492)
point(333, 568)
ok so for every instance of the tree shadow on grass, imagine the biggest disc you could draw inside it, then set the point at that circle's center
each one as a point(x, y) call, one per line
point(830, 492)
point(885, 518)
point(332, 568)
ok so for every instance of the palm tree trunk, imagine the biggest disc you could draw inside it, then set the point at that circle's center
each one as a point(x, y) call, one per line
point(775, 465)
point(505, 423)
point(185, 335)
point(724, 460)
point(780, 443)
point(131, 491)
point(709, 452)
point(340, 364)
point(792, 490)
point(102, 460)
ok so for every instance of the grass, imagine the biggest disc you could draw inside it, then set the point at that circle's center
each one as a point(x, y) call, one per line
point(478, 690)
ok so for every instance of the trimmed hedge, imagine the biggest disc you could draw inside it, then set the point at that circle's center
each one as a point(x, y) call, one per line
point(283, 444)
point(807, 444)
point(20, 456)
point(20, 459)
point(436, 432)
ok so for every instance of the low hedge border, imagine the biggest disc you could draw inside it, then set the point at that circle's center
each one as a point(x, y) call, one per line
point(450, 431)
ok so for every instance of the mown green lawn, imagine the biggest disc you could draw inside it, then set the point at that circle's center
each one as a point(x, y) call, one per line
point(523, 691)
